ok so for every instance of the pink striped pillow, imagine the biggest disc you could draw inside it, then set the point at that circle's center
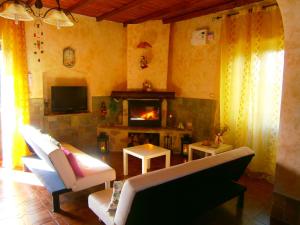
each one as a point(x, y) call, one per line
point(73, 162)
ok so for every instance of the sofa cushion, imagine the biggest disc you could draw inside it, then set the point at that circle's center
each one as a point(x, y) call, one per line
point(95, 171)
point(63, 167)
point(47, 150)
point(39, 144)
point(98, 203)
point(73, 162)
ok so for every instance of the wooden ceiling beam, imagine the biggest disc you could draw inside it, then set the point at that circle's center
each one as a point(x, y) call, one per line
point(30, 2)
point(123, 8)
point(79, 4)
point(159, 14)
point(201, 12)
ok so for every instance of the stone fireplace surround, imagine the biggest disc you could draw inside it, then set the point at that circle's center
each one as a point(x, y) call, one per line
point(120, 136)
point(81, 130)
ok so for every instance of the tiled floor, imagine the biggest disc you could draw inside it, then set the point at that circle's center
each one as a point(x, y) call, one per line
point(25, 203)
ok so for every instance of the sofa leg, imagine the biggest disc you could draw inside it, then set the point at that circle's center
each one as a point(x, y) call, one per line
point(107, 184)
point(55, 202)
point(240, 203)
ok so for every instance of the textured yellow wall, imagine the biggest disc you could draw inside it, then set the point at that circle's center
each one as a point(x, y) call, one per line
point(157, 34)
point(100, 56)
point(194, 71)
point(287, 181)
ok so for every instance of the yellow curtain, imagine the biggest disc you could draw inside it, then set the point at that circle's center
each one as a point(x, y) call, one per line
point(14, 92)
point(252, 60)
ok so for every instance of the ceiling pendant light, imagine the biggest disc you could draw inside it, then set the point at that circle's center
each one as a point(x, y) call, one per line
point(58, 17)
point(15, 10)
point(20, 10)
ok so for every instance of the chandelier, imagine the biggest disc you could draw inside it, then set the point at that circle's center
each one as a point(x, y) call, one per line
point(19, 10)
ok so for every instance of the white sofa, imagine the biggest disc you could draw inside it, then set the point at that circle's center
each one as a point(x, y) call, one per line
point(175, 195)
point(54, 169)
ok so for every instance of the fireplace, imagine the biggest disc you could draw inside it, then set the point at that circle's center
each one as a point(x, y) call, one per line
point(144, 113)
point(142, 138)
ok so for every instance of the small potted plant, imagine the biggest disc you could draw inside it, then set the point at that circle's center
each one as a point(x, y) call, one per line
point(219, 132)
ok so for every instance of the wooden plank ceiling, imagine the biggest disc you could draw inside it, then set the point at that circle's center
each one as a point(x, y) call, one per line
point(137, 11)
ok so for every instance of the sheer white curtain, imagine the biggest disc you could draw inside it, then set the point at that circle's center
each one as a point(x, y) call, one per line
point(252, 60)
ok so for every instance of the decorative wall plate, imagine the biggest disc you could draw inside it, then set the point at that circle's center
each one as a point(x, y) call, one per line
point(69, 57)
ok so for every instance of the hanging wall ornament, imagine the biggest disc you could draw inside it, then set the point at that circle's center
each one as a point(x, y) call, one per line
point(38, 37)
point(103, 110)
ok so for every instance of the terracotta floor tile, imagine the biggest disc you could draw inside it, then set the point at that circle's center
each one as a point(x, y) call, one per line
point(50, 223)
point(60, 221)
point(24, 204)
point(38, 218)
point(12, 221)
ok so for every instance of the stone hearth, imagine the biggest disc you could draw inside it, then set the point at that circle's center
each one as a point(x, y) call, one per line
point(118, 136)
point(143, 138)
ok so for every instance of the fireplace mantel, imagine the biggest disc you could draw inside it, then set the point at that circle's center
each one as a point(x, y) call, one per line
point(138, 94)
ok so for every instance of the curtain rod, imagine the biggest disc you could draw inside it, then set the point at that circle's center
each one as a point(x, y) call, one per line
point(269, 5)
point(250, 9)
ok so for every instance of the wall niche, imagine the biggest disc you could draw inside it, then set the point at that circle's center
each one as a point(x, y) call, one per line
point(54, 78)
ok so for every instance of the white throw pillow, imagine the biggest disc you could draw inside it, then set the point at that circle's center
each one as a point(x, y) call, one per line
point(117, 188)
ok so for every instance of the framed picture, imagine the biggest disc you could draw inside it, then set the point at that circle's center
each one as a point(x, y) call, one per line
point(69, 57)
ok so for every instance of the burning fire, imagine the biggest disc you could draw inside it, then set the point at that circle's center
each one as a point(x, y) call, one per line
point(149, 115)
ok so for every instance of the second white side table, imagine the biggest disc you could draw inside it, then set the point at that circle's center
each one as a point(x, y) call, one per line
point(207, 149)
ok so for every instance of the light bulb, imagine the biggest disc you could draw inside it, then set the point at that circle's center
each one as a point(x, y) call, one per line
point(58, 25)
point(16, 19)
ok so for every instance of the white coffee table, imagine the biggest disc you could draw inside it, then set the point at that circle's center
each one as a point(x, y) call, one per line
point(207, 149)
point(145, 153)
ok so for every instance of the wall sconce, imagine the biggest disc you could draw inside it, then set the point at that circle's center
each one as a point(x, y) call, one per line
point(146, 54)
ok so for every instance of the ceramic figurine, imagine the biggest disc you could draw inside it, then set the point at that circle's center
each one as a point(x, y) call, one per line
point(143, 62)
point(147, 86)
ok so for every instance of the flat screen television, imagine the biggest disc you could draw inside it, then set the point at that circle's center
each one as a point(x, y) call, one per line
point(69, 99)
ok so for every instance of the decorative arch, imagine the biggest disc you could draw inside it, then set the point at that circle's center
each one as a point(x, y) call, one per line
point(287, 178)
point(288, 157)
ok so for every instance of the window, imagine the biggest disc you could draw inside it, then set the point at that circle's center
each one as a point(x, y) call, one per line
point(1, 70)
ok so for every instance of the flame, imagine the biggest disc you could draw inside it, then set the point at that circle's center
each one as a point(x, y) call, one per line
point(148, 115)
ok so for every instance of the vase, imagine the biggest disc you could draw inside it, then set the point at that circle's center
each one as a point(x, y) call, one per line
point(218, 139)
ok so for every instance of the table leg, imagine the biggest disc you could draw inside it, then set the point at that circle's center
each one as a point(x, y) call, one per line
point(190, 153)
point(168, 156)
point(144, 165)
point(148, 163)
point(125, 163)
